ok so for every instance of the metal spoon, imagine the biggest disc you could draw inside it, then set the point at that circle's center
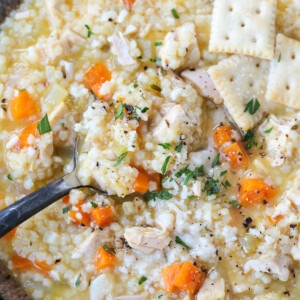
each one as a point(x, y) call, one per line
point(26, 207)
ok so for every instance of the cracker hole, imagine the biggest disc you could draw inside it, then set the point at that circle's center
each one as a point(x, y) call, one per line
point(287, 87)
point(227, 38)
point(231, 79)
point(230, 8)
point(257, 65)
point(242, 24)
point(254, 40)
point(257, 11)
point(250, 84)
point(293, 56)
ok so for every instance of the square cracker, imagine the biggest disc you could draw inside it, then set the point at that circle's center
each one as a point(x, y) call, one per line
point(283, 81)
point(239, 79)
point(243, 27)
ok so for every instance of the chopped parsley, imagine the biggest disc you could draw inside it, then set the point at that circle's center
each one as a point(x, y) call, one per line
point(226, 184)
point(216, 161)
point(166, 146)
point(279, 57)
point(165, 164)
point(109, 249)
point(211, 186)
point(156, 44)
point(9, 177)
point(119, 114)
point(78, 280)
point(121, 157)
point(160, 296)
point(178, 148)
point(178, 240)
point(174, 13)
point(268, 130)
point(66, 209)
point(156, 59)
point(249, 138)
point(163, 195)
point(44, 126)
point(89, 31)
point(135, 85)
point(142, 280)
point(130, 110)
point(234, 203)
point(252, 106)
point(223, 173)
point(94, 204)
point(191, 197)
point(190, 174)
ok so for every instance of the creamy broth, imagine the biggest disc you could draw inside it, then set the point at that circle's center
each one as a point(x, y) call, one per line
point(174, 195)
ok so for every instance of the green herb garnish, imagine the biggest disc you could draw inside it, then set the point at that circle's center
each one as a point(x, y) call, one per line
point(89, 31)
point(156, 44)
point(165, 164)
point(191, 197)
point(121, 157)
point(66, 209)
point(9, 177)
point(163, 195)
point(223, 173)
point(119, 114)
point(178, 148)
point(166, 146)
point(109, 249)
point(249, 138)
point(174, 13)
point(94, 205)
point(234, 203)
point(216, 161)
point(252, 106)
point(44, 126)
point(135, 85)
point(178, 240)
point(226, 184)
point(279, 57)
point(142, 279)
point(268, 130)
point(211, 186)
point(78, 280)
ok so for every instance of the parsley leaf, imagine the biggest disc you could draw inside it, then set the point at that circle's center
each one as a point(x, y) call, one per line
point(249, 138)
point(166, 146)
point(94, 204)
point(165, 164)
point(121, 157)
point(226, 184)
point(156, 44)
point(216, 161)
point(119, 114)
point(142, 280)
point(66, 209)
point(268, 130)
point(223, 173)
point(163, 195)
point(178, 240)
point(108, 249)
point(279, 57)
point(252, 106)
point(89, 31)
point(211, 186)
point(178, 148)
point(44, 126)
point(78, 280)
point(9, 177)
point(235, 203)
point(190, 174)
point(174, 13)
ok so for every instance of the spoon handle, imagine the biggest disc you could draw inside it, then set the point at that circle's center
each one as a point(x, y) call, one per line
point(26, 207)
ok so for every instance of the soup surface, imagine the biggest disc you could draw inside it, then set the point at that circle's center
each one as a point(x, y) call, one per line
point(188, 112)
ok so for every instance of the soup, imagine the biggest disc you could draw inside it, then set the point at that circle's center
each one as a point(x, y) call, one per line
point(189, 118)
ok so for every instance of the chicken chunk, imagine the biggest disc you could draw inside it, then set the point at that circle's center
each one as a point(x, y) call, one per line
point(147, 239)
point(180, 47)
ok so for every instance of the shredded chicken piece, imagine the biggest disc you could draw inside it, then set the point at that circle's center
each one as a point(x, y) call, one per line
point(147, 239)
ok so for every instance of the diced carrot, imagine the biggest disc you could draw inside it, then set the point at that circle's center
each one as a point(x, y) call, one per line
point(23, 106)
point(236, 155)
point(189, 278)
point(169, 274)
point(95, 77)
point(129, 3)
point(42, 265)
point(20, 263)
point(254, 191)
point(103, 216)
point(141, 184)
point(104, 259)
point(78, 216)
point(30, 129)
point(222, 134)
point(66, 199)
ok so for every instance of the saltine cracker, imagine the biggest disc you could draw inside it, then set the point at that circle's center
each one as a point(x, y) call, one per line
point(283, 81)
point(243, 27)
point(239, 79)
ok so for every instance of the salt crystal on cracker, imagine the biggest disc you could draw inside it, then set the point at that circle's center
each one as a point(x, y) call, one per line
point(283, 81)
point(243, 27)
point(239, 79)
